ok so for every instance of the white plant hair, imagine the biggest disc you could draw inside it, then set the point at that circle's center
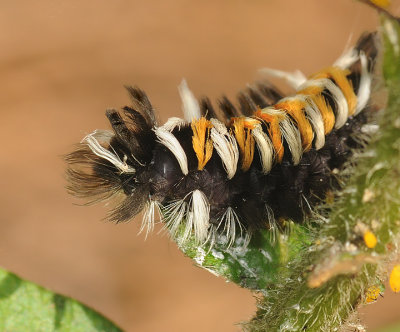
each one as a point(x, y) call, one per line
point(392, 34)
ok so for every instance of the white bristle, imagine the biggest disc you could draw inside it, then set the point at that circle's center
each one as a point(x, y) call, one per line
point(229, 221)
point(314, 116)
point(292, 137)
point(226, 147)
point(174, 215)
point(200, 215)
point(190, 105)
point(342, 109)
point(294, 79)
point(364, 91)
point(347, 59)
point(171, 143)
point(92, 141)
point(152, 208)
point(174, 122)
point(265, 148)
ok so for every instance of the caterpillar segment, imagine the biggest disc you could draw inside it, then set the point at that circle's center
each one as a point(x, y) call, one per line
point(225, 171)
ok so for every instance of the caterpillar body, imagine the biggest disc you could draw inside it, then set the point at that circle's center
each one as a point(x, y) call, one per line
point(230, 169)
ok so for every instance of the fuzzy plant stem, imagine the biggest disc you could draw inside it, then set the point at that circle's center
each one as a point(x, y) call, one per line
point(326, 282)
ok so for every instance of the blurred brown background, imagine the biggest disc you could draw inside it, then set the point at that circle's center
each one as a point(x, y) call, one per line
point(62, 63)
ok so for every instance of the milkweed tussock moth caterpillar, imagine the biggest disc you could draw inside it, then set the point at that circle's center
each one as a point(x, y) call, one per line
point(230, 170)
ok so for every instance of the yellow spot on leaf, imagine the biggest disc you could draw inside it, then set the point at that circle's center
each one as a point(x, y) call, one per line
point(394, 279)
point(372, 294)
point(370, 239)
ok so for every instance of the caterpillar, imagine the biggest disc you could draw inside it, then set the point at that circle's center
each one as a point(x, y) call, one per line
point(232, 169)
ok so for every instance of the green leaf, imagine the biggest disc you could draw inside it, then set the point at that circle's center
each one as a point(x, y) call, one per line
point(25, 306)
point(254, 266)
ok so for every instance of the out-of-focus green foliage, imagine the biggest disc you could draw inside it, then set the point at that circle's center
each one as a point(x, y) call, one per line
point(25, 307)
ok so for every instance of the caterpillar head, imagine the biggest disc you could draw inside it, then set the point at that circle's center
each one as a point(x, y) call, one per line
point(115, 163)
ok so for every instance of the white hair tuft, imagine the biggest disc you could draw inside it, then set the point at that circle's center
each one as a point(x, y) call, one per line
point(166, 138)
point(92, 141)
point(190, 105)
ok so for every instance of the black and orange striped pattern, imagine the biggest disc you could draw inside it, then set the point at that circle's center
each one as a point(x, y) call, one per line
point(229, 169)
